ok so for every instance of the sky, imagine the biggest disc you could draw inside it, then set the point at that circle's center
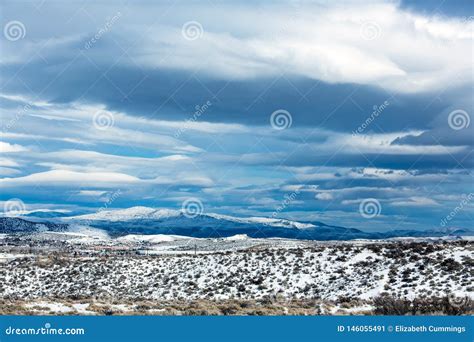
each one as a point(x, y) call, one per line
point(353, 113)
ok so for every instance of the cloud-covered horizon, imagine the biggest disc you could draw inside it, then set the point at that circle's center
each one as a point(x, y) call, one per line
point(241, 106)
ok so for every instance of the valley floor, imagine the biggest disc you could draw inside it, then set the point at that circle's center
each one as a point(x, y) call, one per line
point(260, 278)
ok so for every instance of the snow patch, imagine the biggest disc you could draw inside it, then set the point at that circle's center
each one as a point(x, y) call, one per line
point(237, 237)
point(157, 238)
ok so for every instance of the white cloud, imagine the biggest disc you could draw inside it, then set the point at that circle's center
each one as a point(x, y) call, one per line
point(125, 130)
point(33, 137)
point(167, 167)
point(372, 43)
point(403, 51)
point(91, 193)
point(183, 179)
point(382, 143)
point(6, 171)
point(70, 178)
point(324, 196)
point(53, 117)
point(7, 147)
point(415, 202)
point(8, 162)
point(108, 161)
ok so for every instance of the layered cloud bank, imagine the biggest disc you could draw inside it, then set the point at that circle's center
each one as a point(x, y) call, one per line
point(241, 106)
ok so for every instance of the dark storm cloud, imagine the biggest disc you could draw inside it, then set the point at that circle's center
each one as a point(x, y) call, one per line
point(173, 94)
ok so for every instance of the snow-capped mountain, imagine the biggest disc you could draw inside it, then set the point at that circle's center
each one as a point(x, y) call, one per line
point(152, 221)
point(146, 213)
point(129, 214)
point(274, 222)
point(144, 220)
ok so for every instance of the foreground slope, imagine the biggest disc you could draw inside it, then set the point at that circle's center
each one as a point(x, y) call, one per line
point(334, 272)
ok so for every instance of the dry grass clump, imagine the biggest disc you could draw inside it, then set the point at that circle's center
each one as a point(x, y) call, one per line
point(382, 305)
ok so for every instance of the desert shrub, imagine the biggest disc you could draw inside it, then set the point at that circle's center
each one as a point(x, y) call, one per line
point(230, 309)
point(448, 305)
point(388, 305)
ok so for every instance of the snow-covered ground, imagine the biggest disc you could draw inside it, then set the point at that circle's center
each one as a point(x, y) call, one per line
point(64, 272)
point(4, 257)
point(240, 268)
point(152, 239)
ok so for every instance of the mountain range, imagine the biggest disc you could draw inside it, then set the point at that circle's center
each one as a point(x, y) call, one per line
point(144, 220)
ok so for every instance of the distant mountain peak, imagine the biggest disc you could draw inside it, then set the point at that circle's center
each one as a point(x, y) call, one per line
point(152, 221)
point(147, 213)
point(128, 214)
point(274, 222)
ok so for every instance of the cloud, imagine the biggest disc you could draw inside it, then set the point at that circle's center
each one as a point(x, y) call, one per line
point(8, 162)
point(383, 144)
point(91, 193)
point(7, 171)
point(82, 159)
point(415, 202)
point(335, 43)
point(324, 196)
point(191, 118)
point(69, 179)
point(7, 147)
point(309, 58)
point(76, 124)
